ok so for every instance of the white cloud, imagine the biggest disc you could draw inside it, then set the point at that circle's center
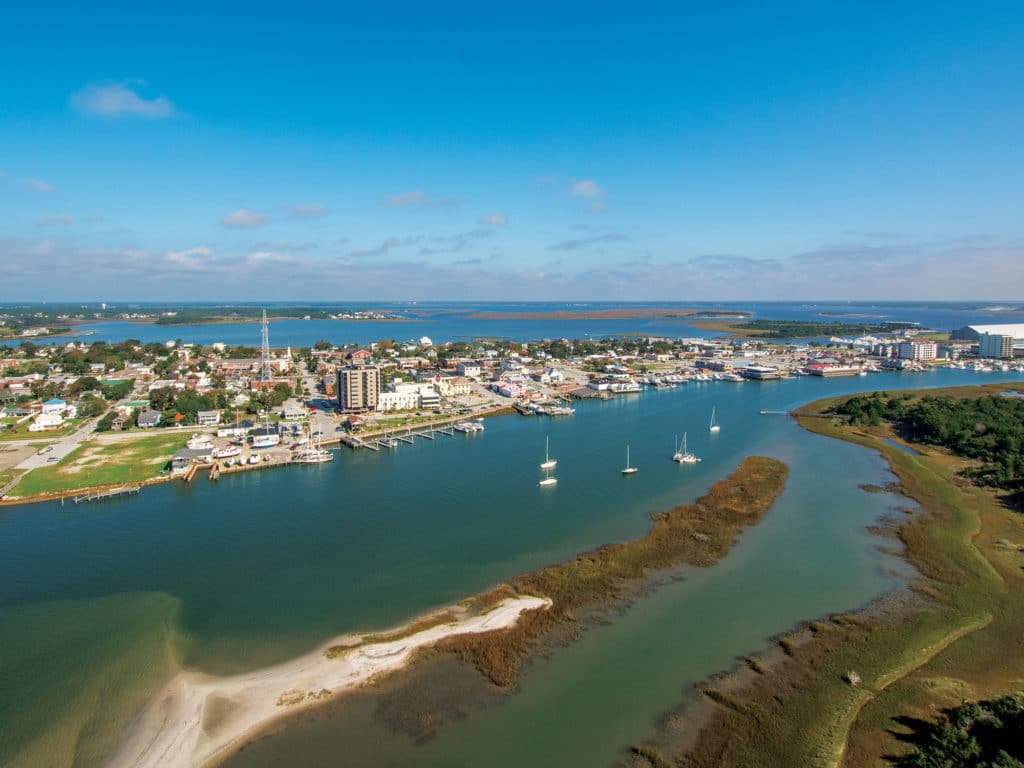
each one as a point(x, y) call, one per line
point(38, 185)
point(244, 218)
point(306, 211)
point(586, 188)
point(57, 218)
point(420, 199)
point(117, 99)
point(494, 220)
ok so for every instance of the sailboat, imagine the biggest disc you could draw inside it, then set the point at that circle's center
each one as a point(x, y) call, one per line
point(684, 456)
point(714, 427)
point(549, 463)
point(628, 470)
point(313, 454)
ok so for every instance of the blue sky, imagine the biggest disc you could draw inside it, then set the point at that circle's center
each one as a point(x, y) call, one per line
point(423, 151)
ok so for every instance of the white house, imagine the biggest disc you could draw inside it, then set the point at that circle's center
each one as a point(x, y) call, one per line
point(46, 421)
point(54, 406)
point(207, 418)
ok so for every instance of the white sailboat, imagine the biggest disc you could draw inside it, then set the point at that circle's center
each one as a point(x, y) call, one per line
point(684, 456)
point(628, 470)
point(549, 463)
point(713, 427)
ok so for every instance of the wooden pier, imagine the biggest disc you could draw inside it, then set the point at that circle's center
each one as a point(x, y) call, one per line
point(110, 493)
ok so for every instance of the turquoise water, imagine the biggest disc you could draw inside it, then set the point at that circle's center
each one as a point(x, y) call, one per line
point(263, 566)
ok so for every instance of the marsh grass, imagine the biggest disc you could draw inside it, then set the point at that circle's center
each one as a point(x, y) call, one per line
point(696, 534)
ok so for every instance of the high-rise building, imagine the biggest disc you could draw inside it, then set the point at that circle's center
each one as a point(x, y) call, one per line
point(918, 350)
point(358, 388)
point(995, 345)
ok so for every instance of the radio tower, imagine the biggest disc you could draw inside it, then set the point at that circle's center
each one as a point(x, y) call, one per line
point(265, 350)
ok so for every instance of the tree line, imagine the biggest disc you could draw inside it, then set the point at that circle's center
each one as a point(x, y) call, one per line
point(989, 430)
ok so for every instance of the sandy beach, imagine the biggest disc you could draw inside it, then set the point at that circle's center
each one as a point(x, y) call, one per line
point(198, 717)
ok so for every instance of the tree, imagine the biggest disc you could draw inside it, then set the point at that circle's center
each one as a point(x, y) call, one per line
point(88, 407)
point(106, 423)
point(161, 399)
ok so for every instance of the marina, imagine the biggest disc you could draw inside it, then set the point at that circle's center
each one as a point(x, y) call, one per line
point(195, 559)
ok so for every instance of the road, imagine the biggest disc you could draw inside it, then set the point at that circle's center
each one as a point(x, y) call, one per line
point(59, 448)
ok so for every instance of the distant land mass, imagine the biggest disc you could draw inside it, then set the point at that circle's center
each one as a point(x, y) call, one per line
point(625, 313)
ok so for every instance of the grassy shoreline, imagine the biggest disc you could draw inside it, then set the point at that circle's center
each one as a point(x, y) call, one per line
point(952, 634)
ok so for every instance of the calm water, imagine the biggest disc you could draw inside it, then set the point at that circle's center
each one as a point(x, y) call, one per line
point(98, 603)
point(452, 322)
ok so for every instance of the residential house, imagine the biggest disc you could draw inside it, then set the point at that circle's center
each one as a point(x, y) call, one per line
point(148, 419)
point(207, 418)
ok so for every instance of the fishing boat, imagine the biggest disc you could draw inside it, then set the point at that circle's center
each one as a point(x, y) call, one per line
point(628, 470)
point(713, 427)
point(549, 463)
point(683, 456)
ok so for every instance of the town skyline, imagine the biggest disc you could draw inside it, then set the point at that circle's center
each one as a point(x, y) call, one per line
point(572, 154)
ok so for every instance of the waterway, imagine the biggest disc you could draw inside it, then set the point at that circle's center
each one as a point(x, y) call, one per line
point(457, 321)
point(100, 603)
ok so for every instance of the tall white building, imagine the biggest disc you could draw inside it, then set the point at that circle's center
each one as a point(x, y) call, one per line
point(918, 350)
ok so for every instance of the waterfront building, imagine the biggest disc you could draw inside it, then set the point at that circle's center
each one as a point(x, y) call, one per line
point(974, 332)
point(358, 388)
point(918, 350)
point(995, 345)
point(760, 372)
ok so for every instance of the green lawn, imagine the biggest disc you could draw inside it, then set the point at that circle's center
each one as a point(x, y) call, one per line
point(20, 431)
point(93, 464)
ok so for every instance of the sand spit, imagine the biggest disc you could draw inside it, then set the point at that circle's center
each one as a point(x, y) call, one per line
point(197, 717)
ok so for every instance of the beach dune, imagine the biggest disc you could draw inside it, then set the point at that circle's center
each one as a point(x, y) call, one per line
point(197, 717)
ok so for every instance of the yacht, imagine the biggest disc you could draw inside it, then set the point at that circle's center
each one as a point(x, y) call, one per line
point(228, 452)
point(713, 427)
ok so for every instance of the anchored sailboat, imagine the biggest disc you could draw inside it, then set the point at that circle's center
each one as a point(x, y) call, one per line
point(628, 470)
point(684, 456)
point(549, 463)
